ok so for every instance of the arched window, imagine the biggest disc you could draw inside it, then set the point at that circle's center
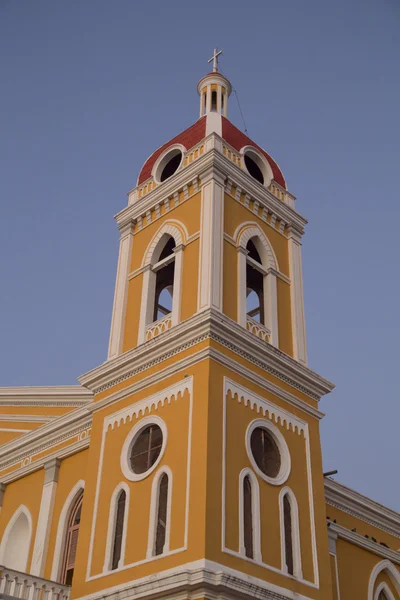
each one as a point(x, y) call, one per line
point(119, 530)
point(248, 518)
point(16, 540)
point(165, 270)
point(162, 282)
point(254, 284)
point(290, 534)
point(71, 542)
point(162, 515)
point(287, 517)
point(382, 596)
point(249, 515)
point(257, 283)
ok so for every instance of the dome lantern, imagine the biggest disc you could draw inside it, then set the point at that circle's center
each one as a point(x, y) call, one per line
point(214, 90)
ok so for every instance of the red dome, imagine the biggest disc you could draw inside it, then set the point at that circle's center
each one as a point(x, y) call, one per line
point(194, 134)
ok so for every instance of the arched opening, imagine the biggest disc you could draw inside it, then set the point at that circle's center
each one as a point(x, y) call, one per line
point(16, 543)
point(119, 530)
point(213, 101)
point(253, 169)
point(248, 518)
point(287, 519)
point(254, 284)
point(172, 165)
point(162, 515)
point(165, 272)
point(71, 541)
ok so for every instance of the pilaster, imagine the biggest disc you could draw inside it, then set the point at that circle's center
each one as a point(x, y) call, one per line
point(211, 240)
point(121, 291)
point(45, 517)
point(297, 296)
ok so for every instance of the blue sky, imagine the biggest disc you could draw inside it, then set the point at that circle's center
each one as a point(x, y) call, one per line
point(90, 89)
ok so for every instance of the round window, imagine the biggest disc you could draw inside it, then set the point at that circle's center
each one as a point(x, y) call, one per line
point(168, 164)
point(265, 452)
point(268, 451)
point(146, 449)
point(253, 169)
point(256, 165)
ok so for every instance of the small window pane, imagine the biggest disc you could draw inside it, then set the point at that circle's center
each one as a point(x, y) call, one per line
point(146, 449)
point(119, 530)
point(247, 518)
point(287, 515)
point(265, 452)
point(162, 515)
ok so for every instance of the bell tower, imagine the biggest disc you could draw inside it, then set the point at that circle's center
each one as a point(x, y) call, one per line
point(205, 462)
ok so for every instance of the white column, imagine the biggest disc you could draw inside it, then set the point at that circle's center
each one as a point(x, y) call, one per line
point(177, 297)
point(242, 285)
point(271, 306)
point(121, 291)
point(147, 303)
point(211, 240)
point(297, 297)
point(45, 517)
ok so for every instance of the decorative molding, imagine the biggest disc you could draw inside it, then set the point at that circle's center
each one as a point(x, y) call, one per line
point(365, 543)
point(62, 395)
point(205, 579)
point(21, 510)
point(394, 575)
point(209, 324)
point(18, 418)
point(361, 507)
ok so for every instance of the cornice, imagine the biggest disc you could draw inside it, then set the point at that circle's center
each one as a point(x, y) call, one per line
point(213, 325)
point(225, 169)
point(61, 395)
point(199, 579)
point(361, 507)
point(365, 543)
point(44, 437)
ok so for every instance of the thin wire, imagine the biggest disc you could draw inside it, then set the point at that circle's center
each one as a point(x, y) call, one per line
point(237, 99)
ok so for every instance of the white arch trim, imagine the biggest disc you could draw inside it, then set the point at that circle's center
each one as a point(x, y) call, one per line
point(112, 519)
point(250, 229)
point(21, 510)
point(383, 587)
point(384, 565)
point(172, 227)
point(61, 530)
point(297, 569)
point(255, 509)
point(154, 512)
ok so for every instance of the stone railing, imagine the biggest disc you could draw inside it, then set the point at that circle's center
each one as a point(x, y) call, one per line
point(16, 584)
point(154, 329)
point(258, 329)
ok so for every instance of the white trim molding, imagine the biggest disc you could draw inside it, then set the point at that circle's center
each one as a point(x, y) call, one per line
point(255, 514)
point(393, 573)
point(151, 264)
point(24, 554)
point(112, 519)
point(284, 470)
point(131, 439)
point(261, 162)
point(295, 526)
point(154, 503)
point(243, 234)
point(62, 528)
point(297, 296)
point(143, 408)
point(164, 158)
point(383, 587)
point(298, 426)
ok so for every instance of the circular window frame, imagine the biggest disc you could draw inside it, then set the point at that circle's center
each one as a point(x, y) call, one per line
point(131, 439)
point(261, 163)
point(162, 161)
point(283, 448)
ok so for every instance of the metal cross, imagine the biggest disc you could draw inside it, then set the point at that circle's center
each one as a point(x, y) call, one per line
point(214, 60)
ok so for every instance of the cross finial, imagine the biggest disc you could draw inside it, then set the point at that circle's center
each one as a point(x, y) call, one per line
point(214, 60)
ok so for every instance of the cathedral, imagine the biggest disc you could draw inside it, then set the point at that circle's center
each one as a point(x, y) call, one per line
point(188, 465)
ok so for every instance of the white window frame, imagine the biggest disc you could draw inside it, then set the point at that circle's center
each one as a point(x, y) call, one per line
point(269, 268)
point(297, 568)
point(151, 543)
point(255, 514)
point(112, 520)
point(260, 161)
point(62, 528)
point(283, 448)
point(130, 440)
point(383, 587)
point(150, 266)
point(21, 510)
point(393, 573)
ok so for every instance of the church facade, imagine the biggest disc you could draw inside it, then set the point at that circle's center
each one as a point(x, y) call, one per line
point(188, 464)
